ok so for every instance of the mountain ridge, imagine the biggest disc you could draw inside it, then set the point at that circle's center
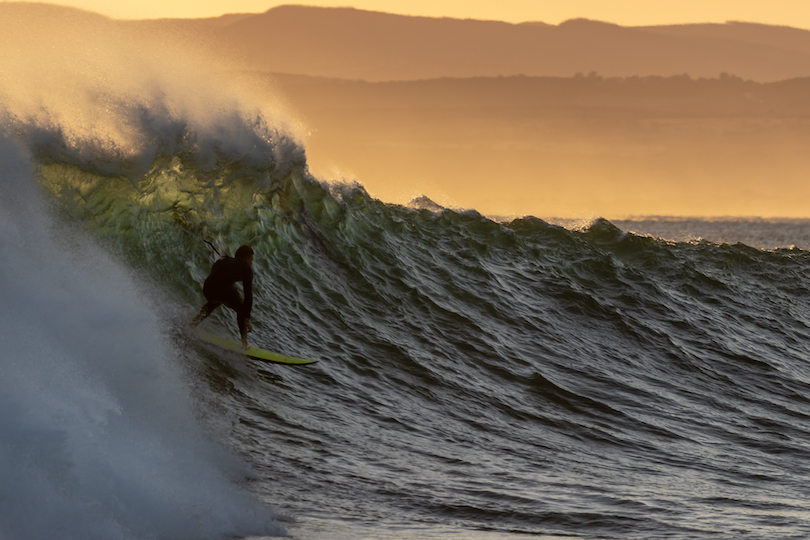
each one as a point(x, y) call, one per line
point(376, 46)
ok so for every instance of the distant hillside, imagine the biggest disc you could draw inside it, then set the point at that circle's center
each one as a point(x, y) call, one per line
point(355, 44)
point(564, 146)
point(620, 97)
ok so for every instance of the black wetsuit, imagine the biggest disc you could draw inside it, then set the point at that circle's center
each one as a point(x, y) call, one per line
point(220, 288)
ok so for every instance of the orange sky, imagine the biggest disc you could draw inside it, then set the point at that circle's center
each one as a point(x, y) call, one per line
point(739, 167)
point(625, 12)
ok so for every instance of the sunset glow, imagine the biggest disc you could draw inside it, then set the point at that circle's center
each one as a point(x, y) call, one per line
point(625, 13)
point(570, 120)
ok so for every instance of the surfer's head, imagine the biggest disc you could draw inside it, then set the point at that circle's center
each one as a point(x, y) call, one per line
point(245, 252)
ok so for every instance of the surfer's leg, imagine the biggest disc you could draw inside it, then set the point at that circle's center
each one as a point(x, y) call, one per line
point(231, 297)
point(236, 301)
point(215, 296)
point(206, 310)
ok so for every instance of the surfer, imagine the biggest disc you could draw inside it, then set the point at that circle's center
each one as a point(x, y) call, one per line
point(220, 288)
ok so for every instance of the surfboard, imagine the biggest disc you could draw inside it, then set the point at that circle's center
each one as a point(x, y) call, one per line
point(253, 352)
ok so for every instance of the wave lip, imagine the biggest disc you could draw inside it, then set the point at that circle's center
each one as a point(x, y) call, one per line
point(83, 89)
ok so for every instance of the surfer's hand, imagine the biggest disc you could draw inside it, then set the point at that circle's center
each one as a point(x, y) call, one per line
point(248, 326)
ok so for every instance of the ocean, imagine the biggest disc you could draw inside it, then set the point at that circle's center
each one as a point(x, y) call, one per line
point(477, 378)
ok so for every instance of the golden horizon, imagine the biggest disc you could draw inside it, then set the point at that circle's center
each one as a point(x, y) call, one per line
point(624, 13)
point(737, 150)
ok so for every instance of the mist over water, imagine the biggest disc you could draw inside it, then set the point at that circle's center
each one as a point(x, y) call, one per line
point(100, 433)
point(85, 87)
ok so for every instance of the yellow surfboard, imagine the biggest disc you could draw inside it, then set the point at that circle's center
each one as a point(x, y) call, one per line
point(253, 352)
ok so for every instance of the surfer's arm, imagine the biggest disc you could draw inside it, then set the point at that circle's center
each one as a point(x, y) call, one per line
point(247, 285)
point(244, 328)
point(247, 306)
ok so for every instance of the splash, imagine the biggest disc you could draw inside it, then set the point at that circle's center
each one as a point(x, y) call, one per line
point(84, 88)
point(98, 430)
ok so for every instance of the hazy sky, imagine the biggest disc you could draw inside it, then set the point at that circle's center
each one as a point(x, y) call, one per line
point(625, 12)
point(740, 166)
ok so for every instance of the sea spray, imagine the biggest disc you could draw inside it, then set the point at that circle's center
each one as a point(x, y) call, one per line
point(98, 432)
point(82, 88)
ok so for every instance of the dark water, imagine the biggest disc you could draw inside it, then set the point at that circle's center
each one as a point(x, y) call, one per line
point(475, 379)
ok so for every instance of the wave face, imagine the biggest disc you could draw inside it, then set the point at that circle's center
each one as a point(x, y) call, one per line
point(475, 379)
point(513, 378)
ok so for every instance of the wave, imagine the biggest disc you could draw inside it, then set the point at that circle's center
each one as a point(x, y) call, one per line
point(444, 333)
point(593, 337)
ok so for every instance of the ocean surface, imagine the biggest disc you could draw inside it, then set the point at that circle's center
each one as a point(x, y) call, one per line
point(477, 379)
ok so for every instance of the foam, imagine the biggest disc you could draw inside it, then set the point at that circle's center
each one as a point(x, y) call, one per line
point(93, 90)
point(98, 436)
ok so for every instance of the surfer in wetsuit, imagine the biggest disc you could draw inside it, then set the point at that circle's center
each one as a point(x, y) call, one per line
point(220, 288)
